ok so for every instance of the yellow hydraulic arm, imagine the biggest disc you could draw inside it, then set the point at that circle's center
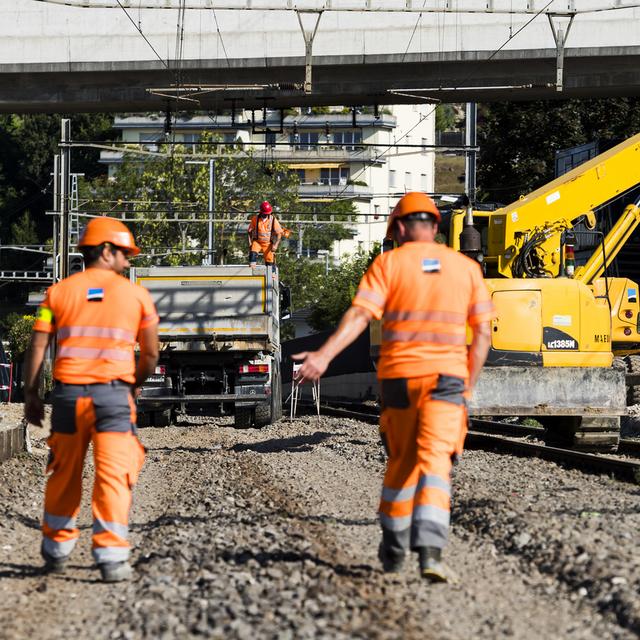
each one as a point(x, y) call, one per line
point(613, 242)
point(576, 193)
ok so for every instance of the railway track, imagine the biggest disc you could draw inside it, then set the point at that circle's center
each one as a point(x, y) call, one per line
point(524, 440)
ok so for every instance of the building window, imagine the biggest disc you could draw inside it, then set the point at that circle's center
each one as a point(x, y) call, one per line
point(334, 176)
point(392, 178)
point(423, 182)
point(347, 139)
point(425, 142)
point(304, 141)
point(270, 138)
point(301, 175)
point(407, 180)
point(376, 211)
point(151, 138)
point(189, 139)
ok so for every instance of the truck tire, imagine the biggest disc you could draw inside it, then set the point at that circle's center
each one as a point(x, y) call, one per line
point(263, 414)
point(243, 417)
point(633, 391)
point(143, 420)
point(162, 418)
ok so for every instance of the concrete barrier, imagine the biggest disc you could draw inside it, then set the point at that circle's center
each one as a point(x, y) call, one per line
point(11, 439)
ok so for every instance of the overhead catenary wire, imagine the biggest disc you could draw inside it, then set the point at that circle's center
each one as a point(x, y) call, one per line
point(139, 30)
point(422, 118)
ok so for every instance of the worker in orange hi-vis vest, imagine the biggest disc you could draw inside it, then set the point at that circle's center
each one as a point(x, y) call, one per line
point(97, 316)
point(426, 294)
point(265, 233)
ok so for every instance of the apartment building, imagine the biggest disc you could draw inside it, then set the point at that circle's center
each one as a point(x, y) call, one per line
point(371, 158)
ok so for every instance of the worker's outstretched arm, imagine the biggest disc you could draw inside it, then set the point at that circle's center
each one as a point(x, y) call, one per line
point(149, 350)
point(33, 406)
point(276, 243)
point(352, 324)
point(478, 350)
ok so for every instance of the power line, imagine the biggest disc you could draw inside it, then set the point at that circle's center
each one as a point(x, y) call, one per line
point(139, 30)
point(423, 118)
point(224, 49)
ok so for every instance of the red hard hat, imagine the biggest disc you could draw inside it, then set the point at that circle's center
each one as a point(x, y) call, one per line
point(412, 202)
point(106, 229)
point(266, 208)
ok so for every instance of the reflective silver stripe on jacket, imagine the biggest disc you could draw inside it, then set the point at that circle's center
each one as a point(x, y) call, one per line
point(96, 332)
point(59, 522)
point(480, 307)
point(58, 549)
point(110, 554)
point(371, 296)
point(120, 530)
point(448, 317)
point(89, 353)
point(424, 336)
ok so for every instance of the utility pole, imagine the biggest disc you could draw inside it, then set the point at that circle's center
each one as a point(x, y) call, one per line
point(65, 163)
point(212, 204)
point(56, 221)
point(471, 121)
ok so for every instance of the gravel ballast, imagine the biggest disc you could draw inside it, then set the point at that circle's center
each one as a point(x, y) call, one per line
point(273, 533)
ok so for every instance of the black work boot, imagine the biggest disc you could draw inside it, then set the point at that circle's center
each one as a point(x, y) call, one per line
point(392, 561)
point(51, 564)
point(115, 571)
point(430, 563)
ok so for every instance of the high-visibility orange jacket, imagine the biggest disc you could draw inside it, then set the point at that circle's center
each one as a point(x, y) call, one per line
point(96, 315)
point(426, 294)
point(263, 228)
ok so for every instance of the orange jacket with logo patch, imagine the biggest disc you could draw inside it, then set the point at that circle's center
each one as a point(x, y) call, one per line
point(426, 294)
point(96, 315)
point(263, 228)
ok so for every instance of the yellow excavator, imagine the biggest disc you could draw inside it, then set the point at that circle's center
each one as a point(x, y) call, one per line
point(558, 324)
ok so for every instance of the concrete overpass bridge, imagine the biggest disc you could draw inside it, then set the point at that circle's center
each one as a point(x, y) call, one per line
point(134, 55)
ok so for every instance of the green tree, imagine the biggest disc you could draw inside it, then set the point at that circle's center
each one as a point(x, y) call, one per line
point(338, 289)
point(19, 335)
point(518, 140)
point(445, 117)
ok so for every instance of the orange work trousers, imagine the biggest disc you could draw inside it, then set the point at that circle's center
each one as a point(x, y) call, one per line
point(266, 248)
point(423, 425)
point(104, 415)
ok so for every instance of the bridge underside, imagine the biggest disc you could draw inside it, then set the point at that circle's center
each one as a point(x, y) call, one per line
point(337, 80)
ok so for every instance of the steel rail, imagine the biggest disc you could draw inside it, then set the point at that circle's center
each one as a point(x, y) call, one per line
point(619, 468)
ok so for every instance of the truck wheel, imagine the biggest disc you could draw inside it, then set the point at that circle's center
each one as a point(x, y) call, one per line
point(243, 417)
point(143, 420)
point(162, 418)
point(263, 414)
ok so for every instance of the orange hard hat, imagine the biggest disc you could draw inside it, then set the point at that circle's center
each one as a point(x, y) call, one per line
point(412, 202)
point(106, 229)
point(266, 208)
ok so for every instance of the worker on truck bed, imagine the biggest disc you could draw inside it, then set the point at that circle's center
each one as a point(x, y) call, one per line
point(426, 294)
point(265, 233)
point(97, 316)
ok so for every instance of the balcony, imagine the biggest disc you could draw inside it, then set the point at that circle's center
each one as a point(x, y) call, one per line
point(321, 154)
point(320, 191)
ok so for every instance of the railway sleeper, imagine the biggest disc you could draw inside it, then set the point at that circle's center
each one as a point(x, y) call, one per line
point(584, 433)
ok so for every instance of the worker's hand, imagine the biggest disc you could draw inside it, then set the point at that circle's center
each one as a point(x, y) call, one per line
point(314, 365)
point(33, 408)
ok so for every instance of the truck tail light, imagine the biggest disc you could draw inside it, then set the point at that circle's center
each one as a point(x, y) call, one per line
point(253, 368)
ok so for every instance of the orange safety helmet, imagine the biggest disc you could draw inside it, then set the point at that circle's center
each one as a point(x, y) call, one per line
point(109, 230)
point(412, 202)
point(266, 208)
